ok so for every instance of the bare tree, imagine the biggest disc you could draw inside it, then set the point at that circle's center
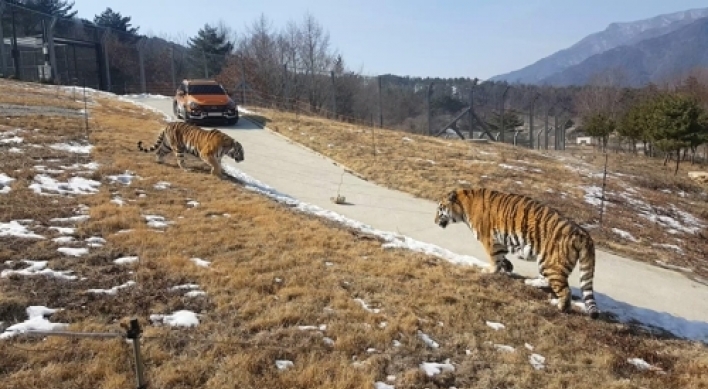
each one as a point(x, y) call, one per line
point(602, 95)
point(317, 60)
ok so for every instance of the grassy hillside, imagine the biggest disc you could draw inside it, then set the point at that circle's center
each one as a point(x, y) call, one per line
point(261, 283)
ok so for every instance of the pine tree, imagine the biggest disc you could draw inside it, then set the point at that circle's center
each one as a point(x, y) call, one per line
point(116, 22)
point(30, 23)
point(600, 126)
point(58, 8)
point(209, 50)
point(675, 122)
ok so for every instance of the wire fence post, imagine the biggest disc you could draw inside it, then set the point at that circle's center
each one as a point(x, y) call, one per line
point(285, 87)
point(106, 59)
point(172, 67)
point(430, 115)
point(133, 333)
point(86, 121)
point(602, 194)
point(531, 115)
point(334, 95)
point(141, 62)
point(380, 104)
point(3, 61)
point(555, 130)
point(502, 127)
point(243, 81)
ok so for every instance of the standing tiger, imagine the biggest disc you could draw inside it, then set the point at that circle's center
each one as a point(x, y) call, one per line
point(503, 221)
point(209, 145)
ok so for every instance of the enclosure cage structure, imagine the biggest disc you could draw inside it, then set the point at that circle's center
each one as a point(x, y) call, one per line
point(41, 48)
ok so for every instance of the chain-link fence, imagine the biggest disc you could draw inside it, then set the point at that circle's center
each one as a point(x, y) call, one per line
point(43, 48)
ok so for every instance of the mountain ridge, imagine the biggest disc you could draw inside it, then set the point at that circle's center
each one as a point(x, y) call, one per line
point(650, 60)
point(616, 34)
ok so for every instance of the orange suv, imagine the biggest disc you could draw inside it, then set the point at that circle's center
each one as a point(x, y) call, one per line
point(200, 100)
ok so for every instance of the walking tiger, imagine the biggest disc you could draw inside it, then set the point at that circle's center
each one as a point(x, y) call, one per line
point(503, 221)
point(209, 145)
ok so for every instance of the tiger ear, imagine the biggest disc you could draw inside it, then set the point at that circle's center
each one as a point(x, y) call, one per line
point(452, 196)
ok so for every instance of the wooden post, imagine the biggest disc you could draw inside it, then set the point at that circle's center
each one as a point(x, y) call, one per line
point(134, 332)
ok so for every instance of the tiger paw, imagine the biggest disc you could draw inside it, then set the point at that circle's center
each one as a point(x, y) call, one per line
point(506, 266)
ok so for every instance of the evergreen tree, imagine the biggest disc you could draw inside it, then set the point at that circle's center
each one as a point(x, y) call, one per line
point(676, 122)
point(30, 23)
point(58, 8)
point(511, 121)
point(116, 22)
point(600, 126)
point(209, 50)
point(634, 124)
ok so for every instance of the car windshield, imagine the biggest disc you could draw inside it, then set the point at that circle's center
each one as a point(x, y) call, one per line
point(209, 89)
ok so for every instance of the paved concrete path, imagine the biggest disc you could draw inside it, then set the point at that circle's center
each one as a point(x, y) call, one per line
point(629, 288)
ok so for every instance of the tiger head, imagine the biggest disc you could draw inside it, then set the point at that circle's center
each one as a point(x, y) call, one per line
point(449, 210)
point(236, 152)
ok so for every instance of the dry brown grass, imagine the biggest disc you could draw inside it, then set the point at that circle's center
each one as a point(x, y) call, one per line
point(428, 167)
point(271, 271)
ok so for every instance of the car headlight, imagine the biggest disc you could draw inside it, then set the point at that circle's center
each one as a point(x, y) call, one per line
point(193, 105)
point(231, 105)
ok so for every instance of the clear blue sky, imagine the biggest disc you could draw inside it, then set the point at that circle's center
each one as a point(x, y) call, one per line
point(445, 38)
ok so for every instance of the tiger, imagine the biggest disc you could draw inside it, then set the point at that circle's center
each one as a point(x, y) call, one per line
point(209, 145)
point(503, 221)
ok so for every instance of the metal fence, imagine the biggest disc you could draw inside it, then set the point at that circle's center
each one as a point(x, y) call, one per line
point(42, 48)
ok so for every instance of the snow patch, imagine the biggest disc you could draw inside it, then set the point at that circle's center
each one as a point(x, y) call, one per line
point(641, 364)
point(36, 322)
point(162, 185)
point(75, 185)
point(182, 318)
point(624, 234)
point(156, 221)
point(64, 230)
point(200, 262)
point(5, 181)
point(14, 228)
point(72, 148)
point(283, 364)
point(38, 268)
point(537, 361)
point(496, 326)
point(112, 291)
point(125, 260)
point(366, 306)
point(125, 178)
point(427, 340)
point(73, 252)
point(433, 368)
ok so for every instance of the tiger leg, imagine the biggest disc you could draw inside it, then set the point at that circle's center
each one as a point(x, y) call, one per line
point(497, 255)
point(215, 165)
point(559, 285)
point(179, 153)
point(587, 273)
point(160, 154)
point(499, 252)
